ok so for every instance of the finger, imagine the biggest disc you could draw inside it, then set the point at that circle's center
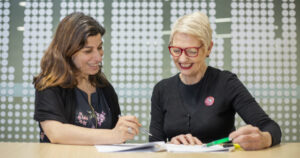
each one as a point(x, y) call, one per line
point(128, 133)
point(248, 146)
point(124, 132)
point(190, 139)
point(132, 119)
point(247, 141)
point(197, 141)
point(129, 130)
point(126, 123)
point(240, 139)
point(129, 136)
point(245, 130)
point(182, 140)
point(126, 127)
point(134, 127)
point(174, 141)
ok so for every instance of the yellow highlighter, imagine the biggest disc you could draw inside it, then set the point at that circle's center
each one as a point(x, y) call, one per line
point(237, 147)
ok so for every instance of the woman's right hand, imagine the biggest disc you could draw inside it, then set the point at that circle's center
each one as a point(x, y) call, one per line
point(186, 139)
point(126, 128)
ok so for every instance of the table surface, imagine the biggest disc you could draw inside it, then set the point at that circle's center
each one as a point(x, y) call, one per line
point(32, 150)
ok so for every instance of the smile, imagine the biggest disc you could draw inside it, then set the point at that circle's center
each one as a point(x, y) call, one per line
point(93, 65)
point(185, 66)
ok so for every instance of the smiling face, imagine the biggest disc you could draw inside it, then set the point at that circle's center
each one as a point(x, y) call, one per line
point(88, 58)
point(191, 68)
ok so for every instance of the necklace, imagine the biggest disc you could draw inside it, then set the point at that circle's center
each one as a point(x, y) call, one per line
point(91, 106)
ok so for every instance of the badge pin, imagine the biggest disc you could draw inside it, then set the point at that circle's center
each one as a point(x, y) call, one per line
point(209, 101)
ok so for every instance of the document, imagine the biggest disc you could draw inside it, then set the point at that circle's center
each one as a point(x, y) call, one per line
point(161, 146)
point(197, 148)
point(127, 147)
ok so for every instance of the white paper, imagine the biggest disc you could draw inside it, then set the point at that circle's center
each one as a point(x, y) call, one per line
point(144, 147)
point(196, 148)
point(160, 146)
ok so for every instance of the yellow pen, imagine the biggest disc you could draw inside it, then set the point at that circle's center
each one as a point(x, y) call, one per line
point(237, 147)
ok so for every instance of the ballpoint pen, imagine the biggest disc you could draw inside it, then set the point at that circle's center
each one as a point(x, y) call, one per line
point(145, 131)
point(219, 141)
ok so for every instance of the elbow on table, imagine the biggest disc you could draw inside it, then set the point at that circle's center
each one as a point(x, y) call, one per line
point(53, 130)
point(54, 137)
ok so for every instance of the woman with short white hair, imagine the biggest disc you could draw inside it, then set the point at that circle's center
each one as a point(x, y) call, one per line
point(198, 105)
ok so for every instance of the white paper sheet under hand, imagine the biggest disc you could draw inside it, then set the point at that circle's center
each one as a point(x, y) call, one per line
point(145, 147)
point(196, 148)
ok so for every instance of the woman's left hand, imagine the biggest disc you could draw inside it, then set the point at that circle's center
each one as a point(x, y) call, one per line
point(251, 138)
point(186, 139)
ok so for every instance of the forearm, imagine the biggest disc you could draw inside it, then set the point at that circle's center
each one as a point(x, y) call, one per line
point(60, 133)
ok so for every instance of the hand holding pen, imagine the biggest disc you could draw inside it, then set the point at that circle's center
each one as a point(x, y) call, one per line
point(142, 129)
point(126, 128)
point(251, 138)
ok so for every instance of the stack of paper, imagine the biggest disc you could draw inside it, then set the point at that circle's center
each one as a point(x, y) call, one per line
point(161, 146)
point(145, 147)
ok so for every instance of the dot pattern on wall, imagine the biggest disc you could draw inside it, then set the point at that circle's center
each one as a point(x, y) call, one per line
point(261, 49)
point(179, 8)
point(7, 75)
point(37, 37)
point(136, 55)
point(265, 59)
point(92, 8)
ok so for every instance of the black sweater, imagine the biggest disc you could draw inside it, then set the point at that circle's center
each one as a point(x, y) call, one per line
point(205, 109)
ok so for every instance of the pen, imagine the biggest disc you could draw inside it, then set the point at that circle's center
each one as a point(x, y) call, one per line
point(236, 146)
point(219, 141)
point(145, 131)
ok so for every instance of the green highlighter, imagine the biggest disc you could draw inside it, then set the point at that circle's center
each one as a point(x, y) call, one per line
point(219, 141)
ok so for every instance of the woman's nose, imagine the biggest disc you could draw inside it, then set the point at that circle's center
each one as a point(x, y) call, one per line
point(183, 57)
point(98, 55)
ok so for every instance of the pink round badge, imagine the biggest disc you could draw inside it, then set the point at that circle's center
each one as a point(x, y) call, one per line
point(209, 101)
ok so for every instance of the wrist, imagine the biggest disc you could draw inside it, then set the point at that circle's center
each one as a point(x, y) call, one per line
point(267, 139)
point(116, 137)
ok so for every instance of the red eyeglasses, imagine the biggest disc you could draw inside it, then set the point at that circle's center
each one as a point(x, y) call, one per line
point(189, 51)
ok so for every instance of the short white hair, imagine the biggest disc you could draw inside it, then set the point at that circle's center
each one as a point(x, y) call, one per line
point(195, 24)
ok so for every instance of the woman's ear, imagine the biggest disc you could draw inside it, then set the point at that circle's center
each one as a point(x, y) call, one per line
point(209, 48)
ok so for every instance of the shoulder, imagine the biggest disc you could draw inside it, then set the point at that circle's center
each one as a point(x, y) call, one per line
point(222, 75)
point(47, 90)
point(167, 82)
point(55, 91)
point(108, 88)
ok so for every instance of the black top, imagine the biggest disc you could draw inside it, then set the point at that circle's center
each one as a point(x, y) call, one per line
point(59, 104)
point(84, 114)
point(205, 109)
